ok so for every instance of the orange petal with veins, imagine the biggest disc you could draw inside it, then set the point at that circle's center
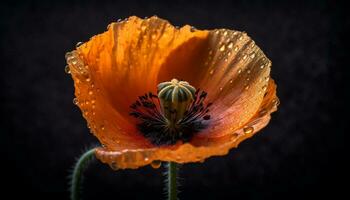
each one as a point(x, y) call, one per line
point(112, 69)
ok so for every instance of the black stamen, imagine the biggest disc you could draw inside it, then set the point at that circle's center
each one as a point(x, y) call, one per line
point(157, 129)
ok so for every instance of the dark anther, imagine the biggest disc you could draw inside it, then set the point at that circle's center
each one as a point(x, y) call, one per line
point(154, 126)
point(135, 114)
point(203, 95)
point(207, 117)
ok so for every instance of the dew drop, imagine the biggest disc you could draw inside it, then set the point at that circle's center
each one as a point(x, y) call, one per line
point(146, 159)
point(264, 88)
point(114, 166)
point(267, 78)
point(68, 55)
point(88, 79)
point(262, 66)
point(103, 128)
point(211, 72)
point(220, 88)
point(239, 71)
point(91, 92)
point(231, 81)
point(225, 33)
point(236, 48)
point(252, 55)
point(230, 45)
point(262, 112)
point(78, 44)
point(245, 57)
point(241, 38)
point(276, 102)
point(193, 29)
point(67, 69)
point(222, 48)
point(75, 101)
point(248, 130)
point(248, 71)
point(246, 87)
point(143, 27)
point(156, 164)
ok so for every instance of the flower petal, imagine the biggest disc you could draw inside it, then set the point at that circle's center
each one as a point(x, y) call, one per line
point(112, 69)
point(200, 148)
point(235, 78)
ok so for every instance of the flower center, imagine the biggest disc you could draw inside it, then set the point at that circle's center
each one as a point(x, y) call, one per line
point(177, 113)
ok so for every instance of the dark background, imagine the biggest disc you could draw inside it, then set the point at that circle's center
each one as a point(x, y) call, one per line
point(300, 154)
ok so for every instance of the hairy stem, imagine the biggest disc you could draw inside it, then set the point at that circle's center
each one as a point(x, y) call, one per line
point(172, 180)
point(77, 176)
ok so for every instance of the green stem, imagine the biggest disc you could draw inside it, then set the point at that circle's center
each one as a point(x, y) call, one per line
point(172, 180)
point(77, 176)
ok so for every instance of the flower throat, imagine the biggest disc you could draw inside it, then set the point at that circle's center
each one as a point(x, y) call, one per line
point(177, 113)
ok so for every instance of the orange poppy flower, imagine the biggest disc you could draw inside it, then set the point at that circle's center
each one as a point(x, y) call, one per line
point(116, 75)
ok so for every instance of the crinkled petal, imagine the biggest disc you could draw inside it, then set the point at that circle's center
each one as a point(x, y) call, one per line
point(200, 148)
point(113, 68)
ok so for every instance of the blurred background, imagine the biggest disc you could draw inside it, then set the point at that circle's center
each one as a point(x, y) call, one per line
point(300, 154)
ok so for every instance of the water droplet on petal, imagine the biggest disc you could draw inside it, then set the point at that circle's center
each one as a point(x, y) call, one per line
point(262, 66)
point(246, 87)
point(211, 72)
point(264, 88)
point(146, 159)
point(67, 69)
point(78, 44)
point(222, 48)
point(248, 71)
point(248, 130)
point(239, 71)
point(156, 164)
point(225, 33)
point(75, 101)
point(252, 55)
point(245, 57)
point(236, 48)
point(193, 29)
point(114, 166)
point(231, 81)
point(230, 45)
point(103, 128)
point(220, 88)
point(262, 112)
point(87, 79)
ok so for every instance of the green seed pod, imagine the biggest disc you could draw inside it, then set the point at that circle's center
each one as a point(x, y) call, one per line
point(175, 97)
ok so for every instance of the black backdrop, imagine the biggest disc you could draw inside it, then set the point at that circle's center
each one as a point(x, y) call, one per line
point(300, 153)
